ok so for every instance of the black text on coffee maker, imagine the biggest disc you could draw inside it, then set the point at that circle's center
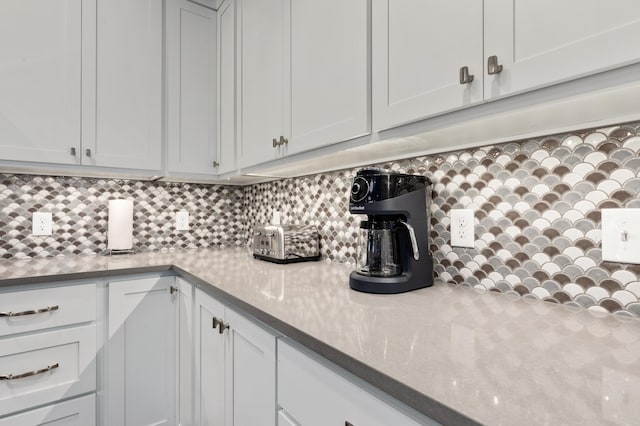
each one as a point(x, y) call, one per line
point(393, 250)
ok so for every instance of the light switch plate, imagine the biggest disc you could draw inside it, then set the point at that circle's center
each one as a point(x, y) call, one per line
point(41, 223)
point(182, 221)
point(462, 229)
point(621, 235)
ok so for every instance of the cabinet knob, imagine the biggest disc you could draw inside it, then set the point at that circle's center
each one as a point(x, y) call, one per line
point(275, 142)
point(493, 67)
point(465, 77)
point(222, 326)
point(87, 152)
point(73, 151)
point(216, 164)
point(283, 141)
point(173, 289)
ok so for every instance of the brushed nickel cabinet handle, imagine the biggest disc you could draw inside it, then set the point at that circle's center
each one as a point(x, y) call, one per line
point(216, 164)
point(347, 423)
point(493, 67)
point(222, 326)
point(275, 142)
point(30, 312)
point(465, 77)
point(173, 289)
point(73, 151)
point(283, 140)
point(87, 152)
point(215, 322)
point(29, 373)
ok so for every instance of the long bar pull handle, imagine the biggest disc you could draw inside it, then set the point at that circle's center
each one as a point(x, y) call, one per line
point(493, 67)
point(465, 77)
point(30, 312)
point(29, 373)
point(222, 326)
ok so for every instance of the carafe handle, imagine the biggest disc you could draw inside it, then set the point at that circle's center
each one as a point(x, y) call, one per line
point(414, 243)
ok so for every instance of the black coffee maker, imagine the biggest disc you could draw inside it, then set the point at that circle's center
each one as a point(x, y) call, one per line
point(393, 251)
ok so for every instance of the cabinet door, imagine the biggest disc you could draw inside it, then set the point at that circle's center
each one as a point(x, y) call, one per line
point(539, 43)
point(253, 372)
point(419, 47)
point(264, 51)
point(329, 72)
point(227, 87)
point(210, 362)
point(126, 130)
point(141, 355)
point(40, 66)
point(213, 4)
point(191, 75)
point(185, 353)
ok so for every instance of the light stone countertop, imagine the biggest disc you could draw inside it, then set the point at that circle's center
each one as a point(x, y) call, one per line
point(450, 352)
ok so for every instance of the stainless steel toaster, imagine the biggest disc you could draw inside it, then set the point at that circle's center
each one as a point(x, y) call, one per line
point(286, 243)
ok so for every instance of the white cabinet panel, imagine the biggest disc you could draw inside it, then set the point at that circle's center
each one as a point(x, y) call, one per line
point(40, 80)
point(210, 362)
point(185, 353)
point(264, 52)
point(142, 345)
point(191, 74)
point(545, 42)
point(63, 359)
point(306, 388)
point(213, 4)
point(419, 47)
point(127, 129)
point(253, 372)
point(46, 308)
point(227, 87)
point(76, 412)
point(329, 72)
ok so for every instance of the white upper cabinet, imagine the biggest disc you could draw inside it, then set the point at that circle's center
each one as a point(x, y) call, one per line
point(419, 49)
point(304, 78)
point(191, 88)
point(329, 72)
point(544, 42)
point(40, 80)
point(264, 71)
point(227, 87)
point(126, 130)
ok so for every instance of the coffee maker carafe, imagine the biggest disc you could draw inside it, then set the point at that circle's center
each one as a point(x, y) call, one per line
point(393, 252)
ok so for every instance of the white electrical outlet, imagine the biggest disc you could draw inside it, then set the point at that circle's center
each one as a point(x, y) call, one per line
point(621, 235)
point(41, 223)
point(462, 230)
point(182, 220)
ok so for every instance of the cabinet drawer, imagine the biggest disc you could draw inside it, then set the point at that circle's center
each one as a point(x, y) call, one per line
point(306, 388)
point(76, 412)
point(31, 310)
point(69, 357)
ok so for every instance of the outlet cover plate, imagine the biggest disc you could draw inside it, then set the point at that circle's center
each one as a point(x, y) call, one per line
point(462, 229)
point(41, 223)
point(182, 220)
point(621, 235)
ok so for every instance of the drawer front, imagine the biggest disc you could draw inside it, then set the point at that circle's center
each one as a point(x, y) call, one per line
point(307, 387)
point(32, 310)
point(38, 369)
point(76, 412)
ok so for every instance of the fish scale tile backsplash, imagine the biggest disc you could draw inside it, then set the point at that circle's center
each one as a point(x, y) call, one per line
point(537, 214)
point(537, 209)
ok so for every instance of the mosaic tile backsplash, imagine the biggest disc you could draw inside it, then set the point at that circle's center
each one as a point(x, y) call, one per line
point(537, 214)
point(79, 208)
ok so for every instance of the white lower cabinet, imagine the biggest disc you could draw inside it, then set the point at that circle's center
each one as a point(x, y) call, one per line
point(141, 370)
point(306, 387)
point(235, 367)
point(75, 412)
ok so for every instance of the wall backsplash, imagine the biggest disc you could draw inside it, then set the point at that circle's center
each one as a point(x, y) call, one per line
point(537, 207)
point(79, 208)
